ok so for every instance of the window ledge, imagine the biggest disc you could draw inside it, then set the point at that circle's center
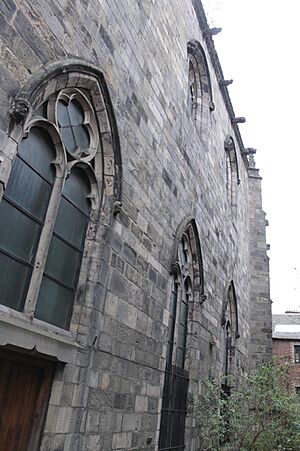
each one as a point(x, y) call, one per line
point(18, 330)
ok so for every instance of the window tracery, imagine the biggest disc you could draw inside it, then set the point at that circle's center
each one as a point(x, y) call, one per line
point(193, 89)
point(187, 287)
point(200, 101)
point(182, 293)
point(46, 207)
point(230, 332)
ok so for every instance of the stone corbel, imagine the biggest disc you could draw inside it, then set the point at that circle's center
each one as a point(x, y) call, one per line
point(228, 144)
point(19, 110)
point(175, 268)
point(212, 341)
point(117, 208)
point(212, 106)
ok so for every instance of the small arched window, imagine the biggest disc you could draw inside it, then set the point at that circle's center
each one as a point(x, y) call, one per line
point(200, 101)
point(230, 333)
point(231, 173)
point(46, 207)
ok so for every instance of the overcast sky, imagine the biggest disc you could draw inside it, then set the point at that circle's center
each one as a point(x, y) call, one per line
point(259, 48)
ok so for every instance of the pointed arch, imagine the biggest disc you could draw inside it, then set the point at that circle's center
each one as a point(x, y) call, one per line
point(188, 226)
point(232, 171)
point(200, 89)
point(75, 73)
point(187, 287)
point(230, 334)
point(230, 310)
point(63, 124)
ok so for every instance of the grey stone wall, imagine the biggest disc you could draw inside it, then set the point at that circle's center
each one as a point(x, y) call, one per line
point(109, 398)
point(261, 319)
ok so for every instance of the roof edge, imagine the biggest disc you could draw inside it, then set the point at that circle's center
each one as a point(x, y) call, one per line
point(201, 16)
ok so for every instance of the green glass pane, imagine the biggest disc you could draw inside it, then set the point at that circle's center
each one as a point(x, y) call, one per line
point(76, 113)
point(18, 233)
point(184, 293)
point(38, 151)
point(54, 304)
point(181, 336)
point(28, 189)
point(169, 353)
point(62, 262)
point(173, 302)
point(68, 139)
point(77, 188)
point(180, 358)
point(81, 137)
point(63, 114)
point(71, 223)
point(183, 313)
point(14, 278)
point(182, 254)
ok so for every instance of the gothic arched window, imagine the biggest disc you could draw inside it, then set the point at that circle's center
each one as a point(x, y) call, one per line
point(194, 97)
point(200, 92)
point(187, 279)
point(231, 172)
point(54, 187)
point(230, 333)
point(181, 295)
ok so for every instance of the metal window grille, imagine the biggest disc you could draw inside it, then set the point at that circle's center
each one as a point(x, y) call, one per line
point(174, 409)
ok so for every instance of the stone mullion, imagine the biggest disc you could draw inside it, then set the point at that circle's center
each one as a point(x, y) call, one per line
point(177, 319)
point(43, 247)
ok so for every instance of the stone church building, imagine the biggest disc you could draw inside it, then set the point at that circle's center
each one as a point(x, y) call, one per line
point(132, 238)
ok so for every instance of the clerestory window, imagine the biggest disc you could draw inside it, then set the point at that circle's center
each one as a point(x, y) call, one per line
point(231, 173)
point(194, 85)
point(200, 99)
point(45, 209)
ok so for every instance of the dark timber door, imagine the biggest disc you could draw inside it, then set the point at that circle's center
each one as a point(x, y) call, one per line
point(24, 392)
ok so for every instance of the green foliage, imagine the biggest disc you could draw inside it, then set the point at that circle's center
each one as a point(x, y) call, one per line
point(259, 415)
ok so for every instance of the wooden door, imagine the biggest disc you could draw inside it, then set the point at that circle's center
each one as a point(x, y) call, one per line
point(24, 393)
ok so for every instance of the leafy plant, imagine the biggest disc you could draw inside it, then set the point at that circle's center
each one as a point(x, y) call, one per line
point(259, 415)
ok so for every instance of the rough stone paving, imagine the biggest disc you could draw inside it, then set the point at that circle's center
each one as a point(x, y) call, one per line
point(109, 395)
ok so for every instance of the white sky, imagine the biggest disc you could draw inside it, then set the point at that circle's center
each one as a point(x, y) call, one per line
point(259, 47)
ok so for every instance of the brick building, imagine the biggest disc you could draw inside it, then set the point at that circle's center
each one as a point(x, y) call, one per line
point(286, 343)
point(132, 238)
